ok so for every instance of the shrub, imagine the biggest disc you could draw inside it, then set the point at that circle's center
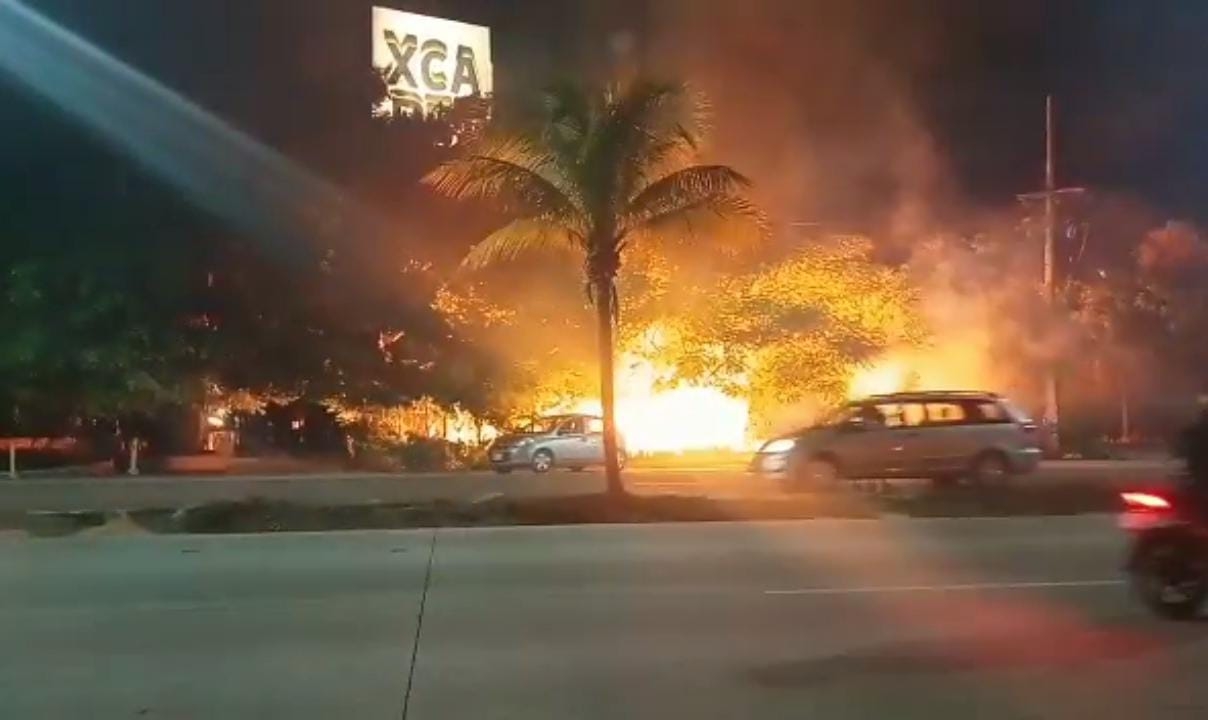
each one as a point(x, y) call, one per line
point(423, 454)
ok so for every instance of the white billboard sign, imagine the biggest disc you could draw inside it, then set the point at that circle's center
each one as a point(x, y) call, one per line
point(427, 62)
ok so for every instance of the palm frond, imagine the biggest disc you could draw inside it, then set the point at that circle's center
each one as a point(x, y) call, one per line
point(639, 127)
point(662, 127)
point(568, 115)
point(683, 188)
point(600, 171)
point(514, 172)
point(732, 219)
point(518, 238)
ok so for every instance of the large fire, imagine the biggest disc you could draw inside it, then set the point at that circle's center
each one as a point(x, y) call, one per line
point(887, 376)
point(656, 416)
point(680, 418)
point(954, 366)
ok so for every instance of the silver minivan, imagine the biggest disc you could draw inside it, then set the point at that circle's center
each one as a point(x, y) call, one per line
point(570, 441)
point(944, 436)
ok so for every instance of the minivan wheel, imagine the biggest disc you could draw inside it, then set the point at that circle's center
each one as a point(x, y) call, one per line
point(990, 470)
point(542, 461)
point(815, 474)
point(944, 482)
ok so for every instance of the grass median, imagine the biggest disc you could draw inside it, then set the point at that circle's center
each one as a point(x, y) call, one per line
point(258, 515)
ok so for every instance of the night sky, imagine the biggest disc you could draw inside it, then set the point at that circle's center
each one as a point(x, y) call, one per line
point(864, 114)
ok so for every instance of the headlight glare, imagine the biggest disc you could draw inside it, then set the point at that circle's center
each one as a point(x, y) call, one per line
point(779, 446)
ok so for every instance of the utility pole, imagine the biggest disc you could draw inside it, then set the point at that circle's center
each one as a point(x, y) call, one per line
point(1051, 414)
point(1050, 233)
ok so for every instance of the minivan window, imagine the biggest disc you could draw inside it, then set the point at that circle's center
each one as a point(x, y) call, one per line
point(1015, 412)
point(990, 411)
point(945, 413)
point(902, 414)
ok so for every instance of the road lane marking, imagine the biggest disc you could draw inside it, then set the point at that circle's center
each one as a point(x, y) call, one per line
point(967, 587)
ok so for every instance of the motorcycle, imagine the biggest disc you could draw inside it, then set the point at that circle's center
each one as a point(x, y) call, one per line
point(1168, 561)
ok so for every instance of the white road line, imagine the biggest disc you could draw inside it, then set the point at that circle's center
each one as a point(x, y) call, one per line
point(663, 485)
point(946, 588)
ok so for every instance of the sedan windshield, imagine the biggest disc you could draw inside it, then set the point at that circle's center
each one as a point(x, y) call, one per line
point(542, 425)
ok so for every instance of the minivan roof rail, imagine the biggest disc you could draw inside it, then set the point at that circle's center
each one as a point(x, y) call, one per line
point(936, 393)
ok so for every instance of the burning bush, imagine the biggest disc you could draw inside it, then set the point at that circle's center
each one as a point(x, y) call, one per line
point(791, 334)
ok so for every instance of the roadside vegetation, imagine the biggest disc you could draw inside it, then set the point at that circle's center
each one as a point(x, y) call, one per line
point(267, 516)
point(620, 257)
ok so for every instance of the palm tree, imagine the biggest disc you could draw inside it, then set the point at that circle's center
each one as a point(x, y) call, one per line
point(601, 170)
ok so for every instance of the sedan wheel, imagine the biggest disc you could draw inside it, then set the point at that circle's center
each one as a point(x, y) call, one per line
point(543, 460)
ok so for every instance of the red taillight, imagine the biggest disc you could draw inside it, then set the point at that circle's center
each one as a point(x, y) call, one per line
point(1144, 501)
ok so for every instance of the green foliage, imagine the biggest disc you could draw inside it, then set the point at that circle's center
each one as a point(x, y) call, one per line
point(1172, 264)
point(1141, 327)
point(793, 330)
point(119, 300)
point(74, 343)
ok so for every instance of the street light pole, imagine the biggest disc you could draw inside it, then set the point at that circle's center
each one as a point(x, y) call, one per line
point(1051, 412)
point(1050, 186)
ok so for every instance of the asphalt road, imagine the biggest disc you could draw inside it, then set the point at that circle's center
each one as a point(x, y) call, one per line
point(1015, 618)
point(123, 492)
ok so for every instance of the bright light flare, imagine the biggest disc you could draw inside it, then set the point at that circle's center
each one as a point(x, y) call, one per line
point(887, 376)
point(682, 418)
point(1144, 500)
point(686, 418)
point(215, 165)
point(951, 366)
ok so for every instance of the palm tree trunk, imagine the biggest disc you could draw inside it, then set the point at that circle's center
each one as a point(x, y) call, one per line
point(604, 328)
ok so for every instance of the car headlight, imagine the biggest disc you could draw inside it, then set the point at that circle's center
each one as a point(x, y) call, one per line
point(779, 446)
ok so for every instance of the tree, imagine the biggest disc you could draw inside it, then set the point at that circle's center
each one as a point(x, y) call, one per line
point(601, 171)
point(1171, 263)
point(79, 343)
point(793, 331)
